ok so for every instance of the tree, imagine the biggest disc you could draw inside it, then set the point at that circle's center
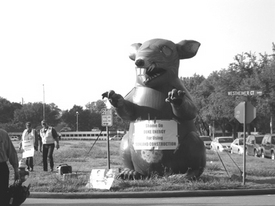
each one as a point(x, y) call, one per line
point(86, 119)
point(96, 107)
point(33, 112)
point(246, 73)
point(119, 123)
point(70, 117)
point(7, 110)
point(266, 103)
point(215, 106)
point(199, 92)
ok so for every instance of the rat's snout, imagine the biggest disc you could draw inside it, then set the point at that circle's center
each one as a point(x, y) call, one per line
point(139, 62)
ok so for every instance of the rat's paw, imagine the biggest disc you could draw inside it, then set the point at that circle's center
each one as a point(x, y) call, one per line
point(175, 97)
point(114, 98)
point(128, 174)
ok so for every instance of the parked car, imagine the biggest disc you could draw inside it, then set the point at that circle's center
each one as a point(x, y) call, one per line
point(221, 143)
point(268, 146)
point(116, 137)
point(253, 145)
point(207, 141)
point(237, 146)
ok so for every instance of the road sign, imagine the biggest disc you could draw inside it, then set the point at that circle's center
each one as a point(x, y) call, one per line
point(249, 112)
point(107, 118)
point(245, 93)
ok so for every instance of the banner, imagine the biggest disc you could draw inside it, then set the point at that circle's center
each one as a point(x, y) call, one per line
point(102, 179)
point(28, 148)
point(157, 135)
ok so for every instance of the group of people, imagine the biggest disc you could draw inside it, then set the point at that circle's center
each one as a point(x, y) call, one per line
point(46, 139)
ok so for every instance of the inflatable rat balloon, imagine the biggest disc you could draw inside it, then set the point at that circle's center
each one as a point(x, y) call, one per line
point(162, 137)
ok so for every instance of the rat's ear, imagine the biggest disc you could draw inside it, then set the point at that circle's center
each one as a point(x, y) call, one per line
point(187, 48)
point(133, 51)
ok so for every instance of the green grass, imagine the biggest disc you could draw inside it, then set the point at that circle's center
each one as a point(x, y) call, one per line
point(78, 154)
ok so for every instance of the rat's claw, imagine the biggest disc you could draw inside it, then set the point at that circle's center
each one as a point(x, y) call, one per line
point(108, 94)
point(129, 174)
point(175, 97)
point(181, 94)
point(104, 95)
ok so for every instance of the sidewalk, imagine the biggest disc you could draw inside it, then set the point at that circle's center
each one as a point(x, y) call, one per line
point(186, 193)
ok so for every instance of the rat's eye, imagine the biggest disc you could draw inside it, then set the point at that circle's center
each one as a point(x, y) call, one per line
point(166, 50)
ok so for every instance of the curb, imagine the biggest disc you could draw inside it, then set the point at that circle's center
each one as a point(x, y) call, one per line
point(185, 193)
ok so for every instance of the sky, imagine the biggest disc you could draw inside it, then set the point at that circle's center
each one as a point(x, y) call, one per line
point(69, 52)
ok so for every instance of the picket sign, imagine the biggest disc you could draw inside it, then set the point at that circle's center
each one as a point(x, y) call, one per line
point(102, 178)
point(28, 148)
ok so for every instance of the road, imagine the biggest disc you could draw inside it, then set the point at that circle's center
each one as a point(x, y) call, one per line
point(255, 200)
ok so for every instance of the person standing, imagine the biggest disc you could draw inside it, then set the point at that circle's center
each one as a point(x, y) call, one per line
point(48, 137)
point(7, 153)
point(28, 135)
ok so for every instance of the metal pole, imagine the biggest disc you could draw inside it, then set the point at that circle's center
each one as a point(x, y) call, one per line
point(244, 143)
point(77, 121)
point(108, 148)
point(271, 130)
point(44, 116)
point(213, 129)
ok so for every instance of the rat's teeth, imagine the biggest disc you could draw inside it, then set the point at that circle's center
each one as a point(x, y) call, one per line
point(152, 67)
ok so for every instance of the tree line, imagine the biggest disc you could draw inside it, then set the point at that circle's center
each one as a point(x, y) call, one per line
point(13, 116)
point(248, 71)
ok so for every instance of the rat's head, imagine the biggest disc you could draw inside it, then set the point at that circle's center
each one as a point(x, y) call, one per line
point(157, 60)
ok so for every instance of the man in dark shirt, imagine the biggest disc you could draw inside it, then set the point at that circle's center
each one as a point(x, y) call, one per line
point(7, 153)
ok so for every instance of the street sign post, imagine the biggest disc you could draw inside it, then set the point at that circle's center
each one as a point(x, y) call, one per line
point(107, 120)
point(245, 113)
point(245, 93)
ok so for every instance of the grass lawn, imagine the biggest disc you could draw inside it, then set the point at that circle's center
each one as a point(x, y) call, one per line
point(218, 174)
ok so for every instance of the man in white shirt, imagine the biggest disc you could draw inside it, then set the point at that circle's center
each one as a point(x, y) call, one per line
point(48, 138)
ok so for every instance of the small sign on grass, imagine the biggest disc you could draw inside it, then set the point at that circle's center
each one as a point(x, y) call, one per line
point(102, 179)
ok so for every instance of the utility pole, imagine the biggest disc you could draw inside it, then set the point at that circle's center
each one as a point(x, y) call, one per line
point(77, 121)
point(271, 129)
point(44, 116)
